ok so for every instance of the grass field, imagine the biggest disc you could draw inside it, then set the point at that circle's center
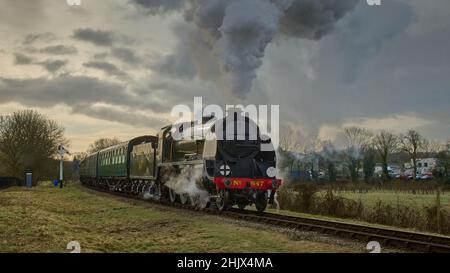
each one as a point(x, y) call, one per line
point(393, 198)
point(45, 219)
point(401, 209)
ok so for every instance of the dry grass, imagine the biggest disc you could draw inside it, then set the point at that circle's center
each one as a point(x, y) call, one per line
point(393, 208)
point(371, 198)
point(45, 219)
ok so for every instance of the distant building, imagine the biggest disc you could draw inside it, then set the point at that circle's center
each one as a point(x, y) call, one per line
point(424, 165)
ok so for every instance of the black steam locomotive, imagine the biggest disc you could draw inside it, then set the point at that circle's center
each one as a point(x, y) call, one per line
point(212, 163)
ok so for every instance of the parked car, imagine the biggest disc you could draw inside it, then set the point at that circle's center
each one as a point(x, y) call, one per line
point(426, 176)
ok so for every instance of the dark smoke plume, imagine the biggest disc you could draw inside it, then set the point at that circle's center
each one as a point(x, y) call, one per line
point(237, 32)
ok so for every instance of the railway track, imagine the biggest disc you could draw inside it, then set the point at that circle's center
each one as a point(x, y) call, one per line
point(406, 240)
point(414, 241)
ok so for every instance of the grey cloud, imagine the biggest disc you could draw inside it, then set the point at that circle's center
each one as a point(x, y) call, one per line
point(192, 57)
point(177, 65)
point(108, 68)
point(59, 50)
point(160, 6)
point(80, 93)
point(120, 116)
point(97, 37)
point(126, 55)
point(372, 65)
point(53, 66)
point(23, 14)
point(362, 35)
point(312, 19)
point(102, 37)
point(22, 59)
point(100, 56)
point(67, 90)
point(39, 37)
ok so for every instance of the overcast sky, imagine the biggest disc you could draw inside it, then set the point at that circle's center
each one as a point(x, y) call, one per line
point(117, 67)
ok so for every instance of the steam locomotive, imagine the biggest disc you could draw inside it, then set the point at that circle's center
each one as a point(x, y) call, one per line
point(212, 163)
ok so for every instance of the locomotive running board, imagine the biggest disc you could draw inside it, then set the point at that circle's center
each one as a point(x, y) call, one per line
point(195, 162)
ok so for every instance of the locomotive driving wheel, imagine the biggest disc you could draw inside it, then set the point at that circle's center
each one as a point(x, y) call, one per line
point(261, 201)
point(223, 201)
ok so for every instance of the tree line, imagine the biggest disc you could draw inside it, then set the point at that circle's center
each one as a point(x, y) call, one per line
point(29, 142)
point(358, 149)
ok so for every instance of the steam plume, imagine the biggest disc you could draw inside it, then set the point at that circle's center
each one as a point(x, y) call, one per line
point(186, 182)
point(237, 32)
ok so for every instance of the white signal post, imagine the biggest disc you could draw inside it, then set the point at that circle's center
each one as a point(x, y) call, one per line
point(62, 152)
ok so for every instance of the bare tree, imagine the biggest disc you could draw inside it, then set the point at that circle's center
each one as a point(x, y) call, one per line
point(369, 162)
point(29, 142)
point(102, 143)
point(412, 143)
point(432, 148)
point(443, 163)
point(356, 141)
point(385, 144)
point(80, 156)
point(297, 150)
point(290, 140)
point(330, 158)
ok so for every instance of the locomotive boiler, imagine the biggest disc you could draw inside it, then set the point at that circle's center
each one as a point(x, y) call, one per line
point(218, 163)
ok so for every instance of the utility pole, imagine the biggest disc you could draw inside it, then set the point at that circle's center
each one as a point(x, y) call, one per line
point(62, 152)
